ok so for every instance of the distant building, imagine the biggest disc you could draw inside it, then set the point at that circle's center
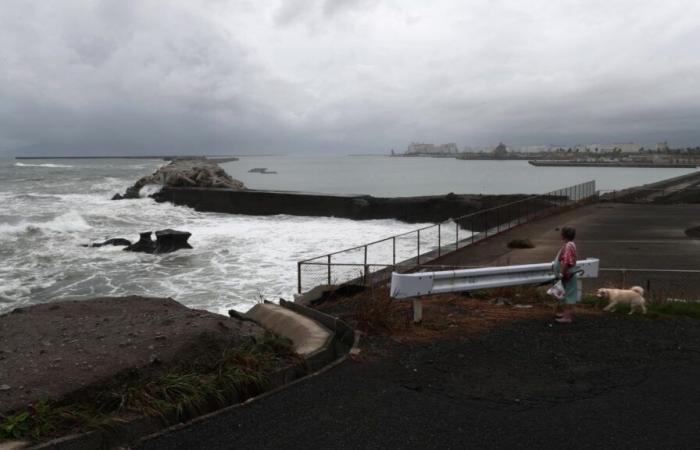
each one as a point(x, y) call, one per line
point(416, 148)
point(622, 147)
point(501, 151)
point(662, 146)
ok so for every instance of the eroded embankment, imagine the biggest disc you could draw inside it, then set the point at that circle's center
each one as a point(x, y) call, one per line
point(75, 365)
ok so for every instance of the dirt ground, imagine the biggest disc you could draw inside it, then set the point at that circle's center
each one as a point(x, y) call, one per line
point(53, 350)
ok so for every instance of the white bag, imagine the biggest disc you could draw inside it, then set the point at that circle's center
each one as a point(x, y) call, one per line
point(557, 290)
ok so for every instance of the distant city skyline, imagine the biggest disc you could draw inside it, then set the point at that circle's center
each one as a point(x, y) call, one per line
point(344, 76)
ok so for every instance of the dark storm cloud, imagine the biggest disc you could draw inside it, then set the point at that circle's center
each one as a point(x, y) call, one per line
point(221, 76)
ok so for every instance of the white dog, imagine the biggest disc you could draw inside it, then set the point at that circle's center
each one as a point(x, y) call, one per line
point(632, 296)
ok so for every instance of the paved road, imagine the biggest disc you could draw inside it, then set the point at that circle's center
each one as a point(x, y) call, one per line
point(605, 382)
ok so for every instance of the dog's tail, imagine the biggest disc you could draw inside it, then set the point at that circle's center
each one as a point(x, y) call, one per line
point(637, 289)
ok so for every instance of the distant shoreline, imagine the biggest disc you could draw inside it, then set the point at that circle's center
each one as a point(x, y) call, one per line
point(612, 164)
point(162, 157)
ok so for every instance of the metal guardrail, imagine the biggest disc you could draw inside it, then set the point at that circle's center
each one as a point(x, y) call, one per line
point(376, 260)
point(415, 285)
point(406, 285)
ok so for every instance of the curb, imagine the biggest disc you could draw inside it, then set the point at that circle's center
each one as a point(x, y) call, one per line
point(335, 351)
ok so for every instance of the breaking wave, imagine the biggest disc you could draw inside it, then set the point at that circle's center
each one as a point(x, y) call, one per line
point(66, 223)
point(19, 164)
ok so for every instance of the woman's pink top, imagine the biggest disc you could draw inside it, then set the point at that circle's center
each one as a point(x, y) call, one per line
point(567, 256)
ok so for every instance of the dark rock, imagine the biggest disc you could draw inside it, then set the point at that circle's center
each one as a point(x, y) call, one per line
point(170, 240)
point(117, 197)
point(115, 241)
point(262, 170)
point(521, 243)
point(145, 244)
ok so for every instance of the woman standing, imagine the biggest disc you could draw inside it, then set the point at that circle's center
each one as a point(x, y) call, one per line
point(564, 267)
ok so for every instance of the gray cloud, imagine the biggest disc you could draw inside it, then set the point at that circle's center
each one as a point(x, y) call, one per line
point(221, 76)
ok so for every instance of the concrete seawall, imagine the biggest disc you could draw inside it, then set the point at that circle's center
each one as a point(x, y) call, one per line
point(358, 207)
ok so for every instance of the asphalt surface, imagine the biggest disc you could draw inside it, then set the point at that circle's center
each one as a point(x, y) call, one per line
point(641, 238)
point(607, 381)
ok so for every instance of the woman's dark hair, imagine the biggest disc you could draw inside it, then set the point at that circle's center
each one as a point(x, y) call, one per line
point(568, 233)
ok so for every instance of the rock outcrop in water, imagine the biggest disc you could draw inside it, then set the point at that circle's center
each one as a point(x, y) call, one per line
point(145, 244)
point(115, 242)
point(170, 240)
point(167, 241)
point(200, 172)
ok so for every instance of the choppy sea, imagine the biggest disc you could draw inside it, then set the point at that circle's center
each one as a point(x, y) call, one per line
point(48, 208)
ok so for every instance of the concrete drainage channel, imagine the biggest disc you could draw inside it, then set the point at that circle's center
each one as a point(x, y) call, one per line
point(321, 340)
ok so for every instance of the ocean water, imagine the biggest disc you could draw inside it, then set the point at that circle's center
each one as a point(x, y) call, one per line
point(49, 208)
point(395, 177)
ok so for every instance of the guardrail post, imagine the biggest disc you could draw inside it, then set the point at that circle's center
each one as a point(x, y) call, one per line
point(393, 251)
point(299, 278)
point(329, 270)
point(439, 239)
point(417, 310)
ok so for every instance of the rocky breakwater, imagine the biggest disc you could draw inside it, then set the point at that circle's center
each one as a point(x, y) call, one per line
point(203, 185)
point(194, 172)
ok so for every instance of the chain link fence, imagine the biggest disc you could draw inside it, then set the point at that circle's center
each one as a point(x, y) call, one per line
point(415, 249)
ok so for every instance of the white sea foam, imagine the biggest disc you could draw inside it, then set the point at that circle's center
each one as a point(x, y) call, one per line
point(65, 223)
point(48, 165)
point(236, 259)
point(149, 189)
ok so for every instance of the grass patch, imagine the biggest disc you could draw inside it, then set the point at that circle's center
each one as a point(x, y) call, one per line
point(654, 309)
point(240, 372)
point(516, 294)
point(375, 312)
point(689, 309)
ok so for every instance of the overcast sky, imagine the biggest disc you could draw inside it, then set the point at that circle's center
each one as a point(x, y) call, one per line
point(353, 76)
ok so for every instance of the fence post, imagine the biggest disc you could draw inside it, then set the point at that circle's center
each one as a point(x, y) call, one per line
point(393, 252)
point(365, 267)
point(456, 236)
point(439, 240)
point(648, 291)
point(418, 247)
point(329, 270)
point(471, 227)
point(299, 278)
